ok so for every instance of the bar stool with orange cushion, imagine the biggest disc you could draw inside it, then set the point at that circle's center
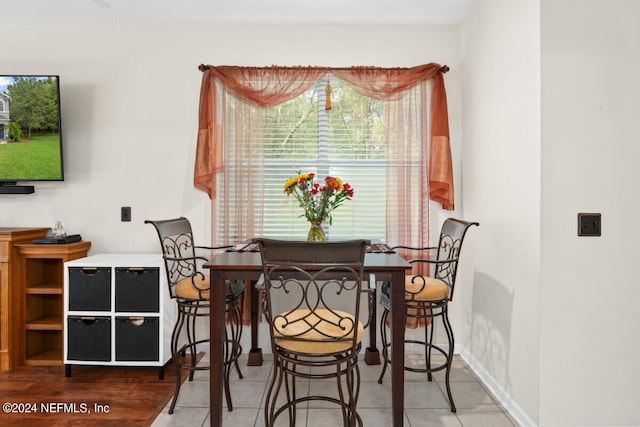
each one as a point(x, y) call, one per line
point(190, 288)
point(312, 305)
point(427, 298)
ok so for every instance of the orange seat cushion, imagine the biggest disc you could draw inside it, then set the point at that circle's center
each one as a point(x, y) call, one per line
point(423, 288)
point(185, 288)
point(314, 336)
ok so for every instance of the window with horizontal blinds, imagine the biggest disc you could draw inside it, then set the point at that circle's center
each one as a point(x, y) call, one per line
point(348, 141)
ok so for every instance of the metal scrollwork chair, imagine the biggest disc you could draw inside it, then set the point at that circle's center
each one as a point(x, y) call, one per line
point(427, 298)
point(190, 288)
point(312, 306)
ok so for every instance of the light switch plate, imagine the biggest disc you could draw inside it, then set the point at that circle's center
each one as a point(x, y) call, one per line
point(125, 214)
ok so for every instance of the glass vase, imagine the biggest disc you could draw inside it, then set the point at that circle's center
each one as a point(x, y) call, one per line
point(58, 231)
point(316, 233)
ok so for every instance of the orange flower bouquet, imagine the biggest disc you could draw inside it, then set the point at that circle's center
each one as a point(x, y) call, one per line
point(317, 200)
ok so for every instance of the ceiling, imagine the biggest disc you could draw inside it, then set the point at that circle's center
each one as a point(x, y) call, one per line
point(98, 12)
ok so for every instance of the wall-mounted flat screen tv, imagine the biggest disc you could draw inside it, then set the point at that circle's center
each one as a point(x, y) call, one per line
point(30, 129)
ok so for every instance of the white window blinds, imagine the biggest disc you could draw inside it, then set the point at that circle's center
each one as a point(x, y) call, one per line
point(348, 141)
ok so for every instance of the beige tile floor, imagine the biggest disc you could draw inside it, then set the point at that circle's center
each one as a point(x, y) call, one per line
point(425, 402)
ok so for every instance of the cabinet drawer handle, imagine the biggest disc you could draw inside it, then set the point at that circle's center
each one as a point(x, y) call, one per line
point(136, 320)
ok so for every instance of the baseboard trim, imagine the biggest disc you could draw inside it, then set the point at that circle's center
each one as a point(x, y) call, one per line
point(504, 399)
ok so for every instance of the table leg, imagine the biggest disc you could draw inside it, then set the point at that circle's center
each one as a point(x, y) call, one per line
point(372, 355)
point(398, 324)
point(216, 328)
point(255, 353)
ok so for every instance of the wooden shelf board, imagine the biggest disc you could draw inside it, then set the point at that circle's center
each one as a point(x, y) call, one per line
point(52, 357)
point(48, 323)
point(45, 288)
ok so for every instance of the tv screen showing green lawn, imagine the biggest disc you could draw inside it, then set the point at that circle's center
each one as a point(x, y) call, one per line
point(30, 137)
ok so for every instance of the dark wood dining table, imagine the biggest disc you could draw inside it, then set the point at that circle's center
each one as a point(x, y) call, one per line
point(247, 266)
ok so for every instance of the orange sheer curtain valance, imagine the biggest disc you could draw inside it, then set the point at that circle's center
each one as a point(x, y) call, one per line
point(270, 86)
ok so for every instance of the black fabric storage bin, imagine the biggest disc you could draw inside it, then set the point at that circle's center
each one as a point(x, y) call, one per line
point(137, 289)
point(89, 338)
point(89, 289)
point(137, 338)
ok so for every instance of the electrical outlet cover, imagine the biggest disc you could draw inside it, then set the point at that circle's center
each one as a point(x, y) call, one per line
point(589, 224)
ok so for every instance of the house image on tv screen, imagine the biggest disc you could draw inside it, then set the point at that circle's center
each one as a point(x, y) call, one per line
point(4, 116)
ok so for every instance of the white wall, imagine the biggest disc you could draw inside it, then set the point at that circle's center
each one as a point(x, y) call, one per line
point(130, 98)
point(549, 107)
point(589, 289)
point(501, 190)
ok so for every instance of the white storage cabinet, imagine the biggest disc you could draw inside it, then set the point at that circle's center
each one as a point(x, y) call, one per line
point(117, 311)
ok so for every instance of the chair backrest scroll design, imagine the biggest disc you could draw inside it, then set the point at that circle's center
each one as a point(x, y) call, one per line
point(451, 238)
point(178, 250)
point(312, 277)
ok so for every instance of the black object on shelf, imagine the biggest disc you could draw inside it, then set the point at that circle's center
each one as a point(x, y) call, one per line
point(58, 240)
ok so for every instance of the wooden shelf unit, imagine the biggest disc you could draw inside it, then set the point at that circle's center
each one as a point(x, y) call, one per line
point(11, 292)
point(42, 285)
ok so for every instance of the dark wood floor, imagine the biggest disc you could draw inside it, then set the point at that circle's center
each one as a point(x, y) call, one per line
point(91, 396)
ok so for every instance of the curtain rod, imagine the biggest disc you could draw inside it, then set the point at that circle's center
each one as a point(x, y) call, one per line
point(203, 68)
